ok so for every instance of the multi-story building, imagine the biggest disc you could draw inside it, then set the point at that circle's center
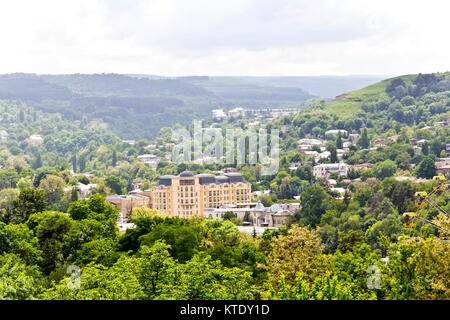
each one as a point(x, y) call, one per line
point(187, 194)
point(126, 203)
point(150, 159)
point(324, 170)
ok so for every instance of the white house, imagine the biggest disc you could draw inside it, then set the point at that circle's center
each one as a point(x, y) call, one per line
point(324, 170)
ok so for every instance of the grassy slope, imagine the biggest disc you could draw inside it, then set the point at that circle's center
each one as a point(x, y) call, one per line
point(349, 104)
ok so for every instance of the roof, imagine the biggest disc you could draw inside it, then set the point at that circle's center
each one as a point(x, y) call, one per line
point(186, 174)
point(125, 197)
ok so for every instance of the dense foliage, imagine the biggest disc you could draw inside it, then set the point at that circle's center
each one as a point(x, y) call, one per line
point(336, 246)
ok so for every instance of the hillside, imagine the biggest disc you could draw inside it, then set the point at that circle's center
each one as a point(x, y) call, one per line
point(350, 103)
point(135, 107)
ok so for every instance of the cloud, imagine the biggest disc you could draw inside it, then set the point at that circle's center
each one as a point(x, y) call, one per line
point(233, 37)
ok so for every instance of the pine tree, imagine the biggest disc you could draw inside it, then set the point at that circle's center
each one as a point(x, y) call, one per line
point(74, 163)
point(114, 158)
point(363, 141)
point(339, 141)
point(333, 156)
point(74, 194)
point(82, 163)
point(425, 148)
point(37, 162)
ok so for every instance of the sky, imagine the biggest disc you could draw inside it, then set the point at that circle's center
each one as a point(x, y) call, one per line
point(225, 38)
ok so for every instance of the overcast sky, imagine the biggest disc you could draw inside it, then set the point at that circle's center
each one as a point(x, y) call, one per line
point(227, 37)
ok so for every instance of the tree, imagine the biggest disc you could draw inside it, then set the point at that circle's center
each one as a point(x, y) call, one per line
point(142, 212)
point(183, 240)
point(37, 163)
point(384, 169)
point(119, 282)
point(426, 169)
point(323, 287)
point(53, 187)
point(304, 173)
point(24, 183)
point(203, 278)
point(351, 267)
point(229, 215)
point(157, 266)
point(314, 203)
point(418, 269)
point(29, 201)
point(17, 280)
point(333, 155)
point(20, 240)
point(21, 116)
point(349, 240)
point(339, 141)
point(74, 195)
point(363, 141)
point(300, 250)
point(98, 251)
point(114, 158)
point(82, 162)
point(115, 184)
point(74, 163)
point(79, 210)
point(51, 232)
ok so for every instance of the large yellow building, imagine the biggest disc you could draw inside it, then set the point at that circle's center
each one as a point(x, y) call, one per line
point(187, 194)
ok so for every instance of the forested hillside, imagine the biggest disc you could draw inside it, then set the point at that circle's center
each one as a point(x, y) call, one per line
point(136, 107)
point(348, 230)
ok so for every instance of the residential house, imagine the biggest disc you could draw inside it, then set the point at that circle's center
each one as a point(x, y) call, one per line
point(35, 139)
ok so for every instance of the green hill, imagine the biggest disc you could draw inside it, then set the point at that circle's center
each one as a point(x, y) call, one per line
point(348, 104)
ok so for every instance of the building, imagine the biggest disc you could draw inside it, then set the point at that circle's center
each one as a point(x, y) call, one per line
point(445, 122)
point(218, 114)
point(35, 139)
point(336, 132)
point(324, 170)
point(311, 142)
point(275, 216)
point(3, 135)
point(126, 203)
point(130, 142)
point(443, 166)
point(382, 142)
point(444, 171)
point(229, 169)
point(353, 137)
point(304, 147)
point(187, 195)
point(85, 190)
point(258, 193)
point(236, 112)
point(150, 159)
point(363, 166)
